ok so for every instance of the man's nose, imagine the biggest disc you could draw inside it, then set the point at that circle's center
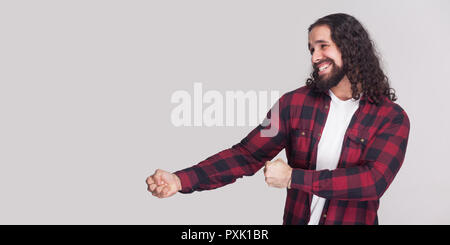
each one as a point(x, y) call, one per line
point(316, 57)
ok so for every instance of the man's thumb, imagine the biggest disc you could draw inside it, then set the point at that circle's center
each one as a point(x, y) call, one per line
point(158, 176)
point(167, 178)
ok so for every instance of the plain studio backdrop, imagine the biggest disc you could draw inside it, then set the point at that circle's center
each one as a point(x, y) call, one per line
point(85, 103)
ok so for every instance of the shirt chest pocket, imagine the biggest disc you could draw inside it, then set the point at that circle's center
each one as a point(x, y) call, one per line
point(354, 147)
point(302, 142)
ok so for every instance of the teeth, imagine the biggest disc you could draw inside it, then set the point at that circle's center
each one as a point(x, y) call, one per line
point(323, 67)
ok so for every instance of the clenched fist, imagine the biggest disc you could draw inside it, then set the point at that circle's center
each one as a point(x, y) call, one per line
point(278, 174)
point(163, 184)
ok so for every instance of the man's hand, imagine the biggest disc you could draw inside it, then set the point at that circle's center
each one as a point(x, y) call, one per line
point(163, 184)
point(278, 174)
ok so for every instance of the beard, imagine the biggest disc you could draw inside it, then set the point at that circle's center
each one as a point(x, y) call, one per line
point(324, 82)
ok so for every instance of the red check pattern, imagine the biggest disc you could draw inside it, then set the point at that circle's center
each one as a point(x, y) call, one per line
point(373, 151)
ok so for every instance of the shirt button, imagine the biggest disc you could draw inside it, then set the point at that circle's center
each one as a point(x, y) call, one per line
point(325, 215)
point(326, 107)
point(362, 140)
point(303, 133)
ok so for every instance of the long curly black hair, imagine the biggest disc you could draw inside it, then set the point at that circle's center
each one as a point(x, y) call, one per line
point(360, 61)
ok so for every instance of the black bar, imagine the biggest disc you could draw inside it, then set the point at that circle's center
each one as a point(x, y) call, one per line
point(215, 234)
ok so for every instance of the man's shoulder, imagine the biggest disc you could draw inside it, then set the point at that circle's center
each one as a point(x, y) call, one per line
point(393, 107)
point(392, 111)
point(299, 95)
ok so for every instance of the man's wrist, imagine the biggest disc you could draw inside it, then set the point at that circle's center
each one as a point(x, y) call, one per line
point(290, 179)
point(179, 186)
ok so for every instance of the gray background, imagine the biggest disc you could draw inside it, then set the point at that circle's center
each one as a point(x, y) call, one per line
point(85, 106)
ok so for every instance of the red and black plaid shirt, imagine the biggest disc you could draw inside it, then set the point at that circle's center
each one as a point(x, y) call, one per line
point(373, 151)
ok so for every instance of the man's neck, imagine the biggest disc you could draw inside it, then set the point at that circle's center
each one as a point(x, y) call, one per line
point(343, 90)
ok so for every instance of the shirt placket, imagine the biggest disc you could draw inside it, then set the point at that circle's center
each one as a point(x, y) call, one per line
point(324, 107)
point(323, 216)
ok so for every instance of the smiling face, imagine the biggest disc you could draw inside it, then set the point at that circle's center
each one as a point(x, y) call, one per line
point(325, 57)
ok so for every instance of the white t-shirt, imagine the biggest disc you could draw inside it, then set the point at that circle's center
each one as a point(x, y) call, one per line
point(330, 144)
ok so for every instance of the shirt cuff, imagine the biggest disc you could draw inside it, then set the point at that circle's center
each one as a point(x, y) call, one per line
point(187, 180)
point(302, 179)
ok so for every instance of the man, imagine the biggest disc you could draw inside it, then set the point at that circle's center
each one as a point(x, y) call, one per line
point(345, 138)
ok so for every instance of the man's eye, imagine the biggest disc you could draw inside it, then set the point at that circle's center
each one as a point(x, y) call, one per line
point(323, 45)
point(311, 51)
